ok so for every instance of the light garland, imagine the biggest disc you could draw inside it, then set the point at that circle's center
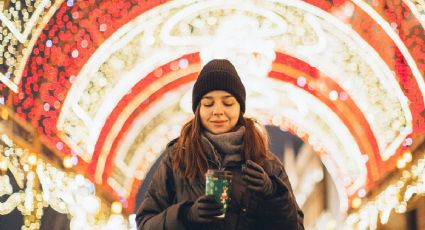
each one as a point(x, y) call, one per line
point(23, 22)
point(347, 60)
point(327, 133)
point(394, 198)
point(137, 45)
point(346, 166)
point(100, 90)
point(315, 32)
point(144, 142)
point(97, 90)
point(418, 9)
point(6, 189)
point(46, 185)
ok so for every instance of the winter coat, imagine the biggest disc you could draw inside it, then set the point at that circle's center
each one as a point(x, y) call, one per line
point(169, 192)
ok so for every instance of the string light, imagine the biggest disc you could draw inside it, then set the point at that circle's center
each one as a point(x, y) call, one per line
point(4, 114)
point(307, 26)
point(68, 162)
point(356, 203)
point(393, 198)
point(45, 186)
point(22, 21)
point(32, 159)
point(116, 207)
point(26, 9)
point(407, 156)
point(401, 163)
point(3, 164)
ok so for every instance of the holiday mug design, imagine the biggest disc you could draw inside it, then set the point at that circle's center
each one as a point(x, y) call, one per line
point(218, 183)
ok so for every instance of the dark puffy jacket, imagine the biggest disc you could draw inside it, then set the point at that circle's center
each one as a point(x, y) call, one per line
point(169, 192)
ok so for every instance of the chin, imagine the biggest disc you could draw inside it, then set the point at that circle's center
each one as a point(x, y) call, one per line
point(218, 131)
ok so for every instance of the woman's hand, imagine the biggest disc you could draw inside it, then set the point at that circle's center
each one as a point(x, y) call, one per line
point(257, 179)
point(204, 210)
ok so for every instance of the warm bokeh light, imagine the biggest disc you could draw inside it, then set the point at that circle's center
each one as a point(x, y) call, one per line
point(91, 92)
point(3, 164)
point(67, 162)
point(401, 163)
point(116, 207)
point(356, 203)
point(32, 159)
point(407, 156)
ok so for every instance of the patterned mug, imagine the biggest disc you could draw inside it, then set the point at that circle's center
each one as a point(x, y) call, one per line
point(218, 183)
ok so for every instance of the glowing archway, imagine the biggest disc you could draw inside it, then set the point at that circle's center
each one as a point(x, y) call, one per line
point(75, 81)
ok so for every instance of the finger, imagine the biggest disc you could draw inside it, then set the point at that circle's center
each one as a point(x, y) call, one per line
point(210, 214)
point(253, 180)
point(253, 173)
point(206, 198)
point(209, 206)
point(255, 166)
point(255, 188)
point(211, 202)
point(205, 220)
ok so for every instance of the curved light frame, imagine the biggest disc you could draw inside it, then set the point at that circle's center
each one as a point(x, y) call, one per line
point(126, 33)
point(332, 157)
point(125, 37)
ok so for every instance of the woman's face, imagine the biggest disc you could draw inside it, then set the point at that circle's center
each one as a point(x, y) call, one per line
point(219, 111)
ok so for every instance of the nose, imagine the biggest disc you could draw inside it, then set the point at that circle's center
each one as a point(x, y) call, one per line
point(218, 109)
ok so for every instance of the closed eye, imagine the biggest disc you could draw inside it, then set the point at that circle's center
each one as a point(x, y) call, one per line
point(229, 101)
point(207, 102)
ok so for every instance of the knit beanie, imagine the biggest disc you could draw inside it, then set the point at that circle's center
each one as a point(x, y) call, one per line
point(218, 74)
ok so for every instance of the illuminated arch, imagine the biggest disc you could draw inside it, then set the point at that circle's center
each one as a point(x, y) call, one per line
point(53, 77)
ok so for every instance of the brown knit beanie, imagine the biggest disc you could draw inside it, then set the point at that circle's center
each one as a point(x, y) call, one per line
point(218, 74)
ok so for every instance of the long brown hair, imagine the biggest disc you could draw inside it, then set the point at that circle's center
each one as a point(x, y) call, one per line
point(190, 159)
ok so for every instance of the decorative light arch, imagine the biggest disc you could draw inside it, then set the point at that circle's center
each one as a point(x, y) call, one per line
point(48, 81)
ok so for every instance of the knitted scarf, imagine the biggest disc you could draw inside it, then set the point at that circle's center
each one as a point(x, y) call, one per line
point(229, 146)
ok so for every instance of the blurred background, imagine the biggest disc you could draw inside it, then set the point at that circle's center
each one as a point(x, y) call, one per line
point(91, 91)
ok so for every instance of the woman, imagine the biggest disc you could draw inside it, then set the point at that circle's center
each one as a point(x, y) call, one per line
point(219, 137)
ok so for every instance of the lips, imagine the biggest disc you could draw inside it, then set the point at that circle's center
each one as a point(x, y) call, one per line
point(218, 122)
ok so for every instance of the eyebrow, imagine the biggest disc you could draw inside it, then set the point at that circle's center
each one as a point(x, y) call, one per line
point(209, 97)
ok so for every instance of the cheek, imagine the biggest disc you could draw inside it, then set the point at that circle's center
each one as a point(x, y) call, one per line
point(203, 113)
point(235, 114)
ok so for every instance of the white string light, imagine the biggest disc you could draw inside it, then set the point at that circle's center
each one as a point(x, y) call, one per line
point(393, 198)
point(65, 192)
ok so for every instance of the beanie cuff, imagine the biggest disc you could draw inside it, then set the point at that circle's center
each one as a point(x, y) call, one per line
point(218, 75)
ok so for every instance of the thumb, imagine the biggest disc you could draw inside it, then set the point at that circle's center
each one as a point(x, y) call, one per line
point(206, 198)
